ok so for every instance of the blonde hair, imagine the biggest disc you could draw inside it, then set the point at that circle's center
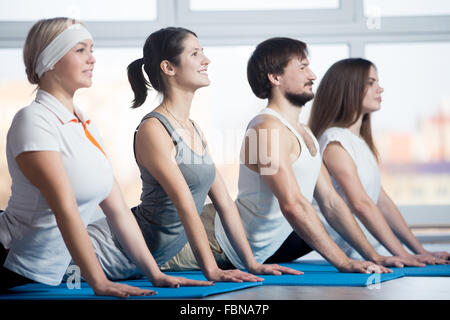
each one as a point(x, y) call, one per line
point(38, 38)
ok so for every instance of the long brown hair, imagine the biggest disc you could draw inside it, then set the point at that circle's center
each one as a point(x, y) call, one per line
point(338, 99)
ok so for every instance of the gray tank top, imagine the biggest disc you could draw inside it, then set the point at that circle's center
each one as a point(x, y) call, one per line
point(156, 215)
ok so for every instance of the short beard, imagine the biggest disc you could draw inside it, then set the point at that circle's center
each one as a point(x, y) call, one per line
point(299, 100)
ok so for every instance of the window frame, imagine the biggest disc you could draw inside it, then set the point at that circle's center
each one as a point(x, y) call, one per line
point(186, 15)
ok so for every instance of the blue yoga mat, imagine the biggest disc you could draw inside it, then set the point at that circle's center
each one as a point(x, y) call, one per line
point(321, 273)
point(311, 265)
point(318, 274)
point(428, 271)
point(36, 291)
point(311, 278)
point(324, 266)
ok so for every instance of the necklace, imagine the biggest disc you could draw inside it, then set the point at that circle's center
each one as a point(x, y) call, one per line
point(181, 125)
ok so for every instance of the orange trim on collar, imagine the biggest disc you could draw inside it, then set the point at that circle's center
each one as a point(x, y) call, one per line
point(89, 135)
point(92, 139)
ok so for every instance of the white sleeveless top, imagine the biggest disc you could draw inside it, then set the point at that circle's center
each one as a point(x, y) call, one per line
point(264, 223)
point(368, 172)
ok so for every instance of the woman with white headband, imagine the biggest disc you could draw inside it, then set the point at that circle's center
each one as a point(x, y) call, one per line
point(61, 173)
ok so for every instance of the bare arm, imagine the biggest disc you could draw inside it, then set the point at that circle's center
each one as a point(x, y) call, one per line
point(397, 223)
point(301, 215)
point(342, 220)
point(295, 207)
point(232, 223)
point(154, 150)
point(342, 168)
point(130, 236)
point(45, 170)
point(399, 226)
point(231, 220)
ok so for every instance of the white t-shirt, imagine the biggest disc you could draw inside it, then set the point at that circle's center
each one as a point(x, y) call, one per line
point(264, 223)
point(28, 226)
point(368, 172)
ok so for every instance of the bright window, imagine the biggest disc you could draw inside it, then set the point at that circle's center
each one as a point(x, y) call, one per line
point(413, 126)
point(239, 5)
point(386, 8)
point(85, 10)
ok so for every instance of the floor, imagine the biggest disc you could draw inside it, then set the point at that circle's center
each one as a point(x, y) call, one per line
point(406, 288)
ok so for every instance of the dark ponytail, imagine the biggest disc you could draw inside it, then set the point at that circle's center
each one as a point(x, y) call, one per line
point(138, 83)
point(164, 44)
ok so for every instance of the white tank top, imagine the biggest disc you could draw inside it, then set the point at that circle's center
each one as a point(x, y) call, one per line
point(264, 223)
point(368, 173)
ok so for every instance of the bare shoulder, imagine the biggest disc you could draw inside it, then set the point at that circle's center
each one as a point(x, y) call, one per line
point(269, 131)
point(265, 121)
point(334, 148)
point(152, 134)
point(151, 128)
point(337, 159)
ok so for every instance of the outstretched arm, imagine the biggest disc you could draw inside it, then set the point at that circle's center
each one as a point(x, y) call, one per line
point(342, 220)
point(231, 220)
point(232, 223)
point(130, 237)
point(45, 170)
point(343, 169)
point(279, 177)
point(154, 150)
point(399, 226)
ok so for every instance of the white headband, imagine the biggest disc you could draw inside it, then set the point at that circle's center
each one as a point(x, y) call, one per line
point(60, 46)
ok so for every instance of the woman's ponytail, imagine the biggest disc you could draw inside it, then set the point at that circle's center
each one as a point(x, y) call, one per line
point(138, 83)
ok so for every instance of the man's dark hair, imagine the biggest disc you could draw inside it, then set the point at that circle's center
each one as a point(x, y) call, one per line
point(271, 57)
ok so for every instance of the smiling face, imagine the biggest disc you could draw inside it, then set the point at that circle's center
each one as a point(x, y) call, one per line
point(192, 70)
point(296, 81)
point(74, 70)
point(372, 98)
